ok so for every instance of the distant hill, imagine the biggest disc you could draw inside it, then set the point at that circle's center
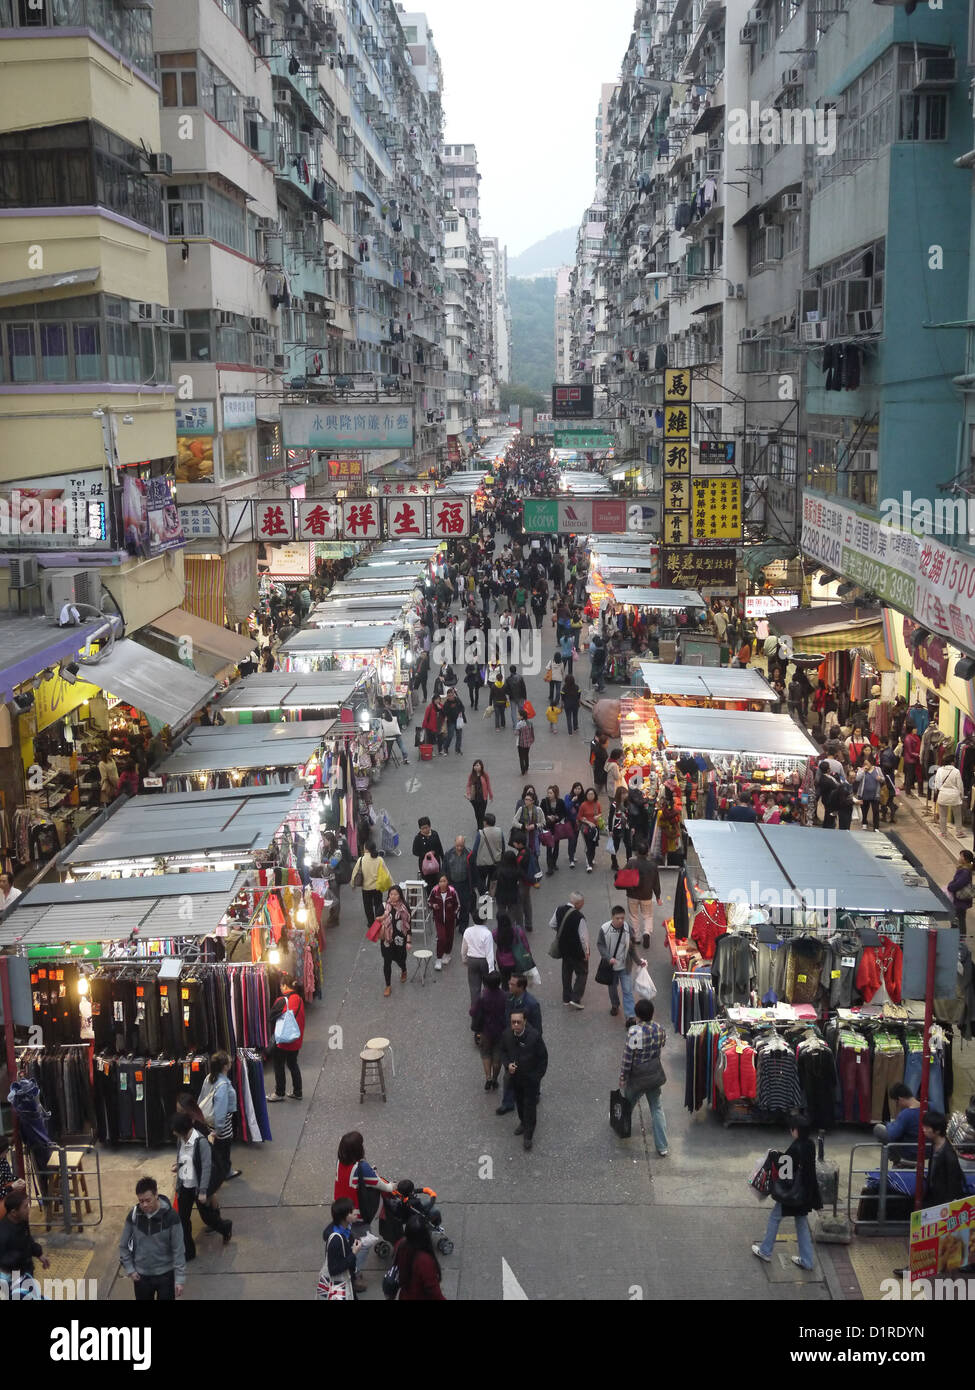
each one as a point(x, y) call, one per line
point(533, 333)
point(545, 257)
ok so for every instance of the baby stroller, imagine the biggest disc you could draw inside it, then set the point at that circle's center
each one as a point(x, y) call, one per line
point(398, 1206)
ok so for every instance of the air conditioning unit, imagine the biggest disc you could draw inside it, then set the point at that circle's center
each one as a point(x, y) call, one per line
point(225, 318)
point(266, 224)
point(75, 586)
point(790, 202)
point(283, 96)
point(160, 164)
point(765, 220)
point(273, 248)
point(812, 332)
point(754, 16)
point(172, 318)
point(933, 72)
point(748, 335)
point(263, 25)
point(259, 325)
point(864, 321)
point(23, 571)
point(748, 36)
point(252, 104)
point(143, 313)
point(792, 77)
point(280, 362)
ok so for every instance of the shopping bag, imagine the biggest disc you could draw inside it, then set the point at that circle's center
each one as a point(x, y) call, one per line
point(534, 977)
point(620, 1114)
point(430, 865)
point(643, 985)
point(286, 1030)
point(384, 879)
point(374, 929)
point(627, 878)
point(760, 1181)
point(529, 709)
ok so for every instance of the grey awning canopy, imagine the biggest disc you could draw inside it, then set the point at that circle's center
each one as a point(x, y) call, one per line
point(64, 279)
point(189, 827)
point(366, 588)
point(316, 641)
point(645, 597)
point(780, 864)
point(343, 611)
point(707, 682)
point(245, 746)
point(734, 731)
point(165, 690)
point(110, 909)
point(293, 690)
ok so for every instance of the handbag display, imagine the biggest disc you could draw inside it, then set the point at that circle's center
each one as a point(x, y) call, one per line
point(620, 1114)
point(627, 878)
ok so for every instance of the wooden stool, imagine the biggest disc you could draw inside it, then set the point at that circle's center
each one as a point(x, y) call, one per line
point(383, 1045)
point(78, 1186)
point(371, 1077)
point(423, 959)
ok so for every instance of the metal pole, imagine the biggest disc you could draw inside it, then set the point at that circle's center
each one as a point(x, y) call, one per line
point(11, 1055)
point(925, 1065)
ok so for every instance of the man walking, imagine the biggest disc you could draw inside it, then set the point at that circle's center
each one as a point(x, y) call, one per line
point(572, 935)
point(18, 1248)
point(151, 1249)
point(524, 1057)
point(193, 1170)
point(640, 897)
point(641, 1071)
point(518, 999)
point(457, 867)
point(616, 946)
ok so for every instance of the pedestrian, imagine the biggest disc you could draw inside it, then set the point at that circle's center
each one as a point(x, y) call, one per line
point(444, 903)
point(499, 701)
point(488, 848)
point(433, 723)
point(889, 762)
point(588, 816)
point(477, 953)
point(614, 773)
point(395, 937)
point(572, 800)
point(640, 896)
point(488, 1022)
point(572, 944)
point(867, 786)
point(960, 889)
point(223, 1108)
point(571, 698)
point(616, 944)
point(336, 1280)
point(371, 875)
point(511, 948)
point(945, 1181)
point(392, 733)
point(151, 1250)
point(357, 1181)
point(428, 852)
point(525, 733)
point(598, 758)
point(288, 1028)
point(642, 1072)
point(950, 793)
point(18, 1248)
point(454, 721)
point(474, 681)
point(525, 1058)
point(507, 883)
point(530, 818)
point(553, 809)
point(421, 675)
point(553, 674)
point(619, 826)
point(518, 999)
point(799, 1195)
point(417, 1265)
point(193, 1169)
point(479, 791)
point(912, 758)
point(597, 664)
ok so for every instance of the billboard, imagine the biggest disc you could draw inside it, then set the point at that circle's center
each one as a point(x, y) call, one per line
point(341, 426)
point(690, 567)
point(572, 402)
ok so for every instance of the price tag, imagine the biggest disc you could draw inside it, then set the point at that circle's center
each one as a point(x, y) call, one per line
point(139, 1092)
point(801, 979)
point(848, 962)
point(123, 1081)
point(835, 974)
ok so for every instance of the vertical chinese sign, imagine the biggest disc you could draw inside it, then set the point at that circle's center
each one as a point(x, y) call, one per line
point(676, 529)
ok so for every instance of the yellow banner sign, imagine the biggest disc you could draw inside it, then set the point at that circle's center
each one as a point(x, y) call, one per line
point(677, 494)
point(717, 509)
point(676, 528)
point(677, 385)
point(677, 460)
point(677, 422)
point(55, 698)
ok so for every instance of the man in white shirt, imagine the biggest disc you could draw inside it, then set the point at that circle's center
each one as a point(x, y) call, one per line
point(477, 953)
point(392, 733)
point(8, 893)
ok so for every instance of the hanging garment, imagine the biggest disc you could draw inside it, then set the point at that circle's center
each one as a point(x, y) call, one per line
point(777, 1088)
point(732, 969)
point(819, 1081)
point(845, 953)
point(804, 969)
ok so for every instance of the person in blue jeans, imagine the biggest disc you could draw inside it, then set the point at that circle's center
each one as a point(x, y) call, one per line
point(800, 1195)
point(641, 1071)
point(617, 945)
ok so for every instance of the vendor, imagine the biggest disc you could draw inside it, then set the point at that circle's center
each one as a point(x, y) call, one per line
point(743, 811)
point(904, 1124)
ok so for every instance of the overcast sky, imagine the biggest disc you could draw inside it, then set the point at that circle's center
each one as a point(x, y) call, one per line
point(521, 81)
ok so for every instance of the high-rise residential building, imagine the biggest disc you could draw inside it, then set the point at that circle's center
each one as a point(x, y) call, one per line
point(602, 127)
point(563, 323)
point(463, 304)
point(462, 182)
point(499, 311)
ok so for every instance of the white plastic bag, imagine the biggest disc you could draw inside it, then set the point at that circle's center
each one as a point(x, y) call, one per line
point(533, 977)
point(643, 985)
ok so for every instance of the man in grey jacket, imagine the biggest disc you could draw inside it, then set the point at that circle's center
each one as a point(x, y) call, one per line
point(151, 1249)
point(457, 867)
point(488, 849)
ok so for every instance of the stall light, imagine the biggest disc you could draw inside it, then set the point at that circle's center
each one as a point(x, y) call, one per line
point(301, 915)
point(273, 956)
point(82, 985)
point(364, 719)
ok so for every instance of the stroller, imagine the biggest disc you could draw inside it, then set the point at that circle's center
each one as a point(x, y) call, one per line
point(398, 1206)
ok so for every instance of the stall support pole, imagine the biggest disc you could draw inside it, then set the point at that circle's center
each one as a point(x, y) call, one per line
point(10, 1052)
point(925, 1065)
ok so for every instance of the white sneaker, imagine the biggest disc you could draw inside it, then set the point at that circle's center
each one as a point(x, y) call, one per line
point(438, 965)
point(757, 1250)
point(446, 960)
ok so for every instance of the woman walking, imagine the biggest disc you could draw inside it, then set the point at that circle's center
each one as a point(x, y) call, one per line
point(488, 1022)
point(428, 851)
point(419, 1270)
point(373, 877)
point(572, 800)
point(454, 721)
point(960, 888)
point(433, 723)
point(288, 1029)
point(444, 903)
point(224, 1103)
point(571, 697)
point(473, 681)
point(525, 731)
point(395, 937)
point(479, 791)
point(530, 818)
point(553, 674)
point(796, 1194)
point(507, 885)
point(619, 826)
point(499, 701)
point(553, 809)
point(357, 1182)
point(587, 818)
point(510, 942)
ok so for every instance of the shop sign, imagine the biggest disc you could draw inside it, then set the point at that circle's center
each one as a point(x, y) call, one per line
point(931, 658)
point(416, 489)
point(338, 426)
point(200, 521)
point(239, 413)
point(717, 509)
point(541, 517)
point(882, 559)
point(76, 950)
point(56, 511)
point(583, 439)
point(274, 519)
point(941, 1239)
point(717, 451)
point(361, 519)
point(196, 417)
point(406, 518)
point(55, 698)
point(294, 561)
point(318, 520)
point(688, 567)
point(569, 403)
point(345, 470)
point(450, 517)
point(776, 571)
point(644, 514)
point(335, 550)
point(760, 605)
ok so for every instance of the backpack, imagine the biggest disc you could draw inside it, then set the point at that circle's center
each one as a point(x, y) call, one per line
point(367, 1200)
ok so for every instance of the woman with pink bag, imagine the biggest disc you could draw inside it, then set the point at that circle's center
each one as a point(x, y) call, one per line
point(395, 936)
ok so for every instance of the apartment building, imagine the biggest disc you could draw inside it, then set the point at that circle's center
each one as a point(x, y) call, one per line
point(563, 323)
point(464, 304)
point(497, 331)
point(462, 182)
point(602, 127)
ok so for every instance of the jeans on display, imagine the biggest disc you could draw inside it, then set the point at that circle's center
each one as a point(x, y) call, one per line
point(455, 732)
point(802, 1231)
point(622, 980)
point(657, 1117)
point(912, 1077)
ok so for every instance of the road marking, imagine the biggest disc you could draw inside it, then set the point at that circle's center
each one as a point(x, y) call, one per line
point(510, 1288)
point(413, 784)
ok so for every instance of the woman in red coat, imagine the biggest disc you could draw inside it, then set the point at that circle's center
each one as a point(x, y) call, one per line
point(286, 1053)
point(419, 1270)
point(444, 903)
point(433, 722)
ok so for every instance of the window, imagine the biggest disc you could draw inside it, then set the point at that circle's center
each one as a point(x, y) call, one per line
point(881, 107)
point(128, 31)
point(409, 33)
point(923, 116)
point(177, 78)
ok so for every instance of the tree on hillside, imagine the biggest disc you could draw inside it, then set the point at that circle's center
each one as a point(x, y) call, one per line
point(513, 394)
point(533, 332)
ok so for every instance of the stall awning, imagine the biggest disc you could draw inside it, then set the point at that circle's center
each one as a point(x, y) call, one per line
point(754, 558)
point(164, 690)
point(215, 649)
point(779, 864)
point(62, 279)
point(292, 690)
point(315, 641)
point(111, 909)
point(734, 731)
point(187, 826)
point(644, 597)
point(707, 682)
point(247, 746)
point(29, 645)
point(834, 627)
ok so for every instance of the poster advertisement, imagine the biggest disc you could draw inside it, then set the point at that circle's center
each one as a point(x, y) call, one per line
point(941, 1239)
point(151, 519)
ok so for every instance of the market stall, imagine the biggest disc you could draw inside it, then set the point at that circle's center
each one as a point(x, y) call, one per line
point(248, 754)
point(791, 995)
point(387, 648)
point(716, 686)
point(281, 696)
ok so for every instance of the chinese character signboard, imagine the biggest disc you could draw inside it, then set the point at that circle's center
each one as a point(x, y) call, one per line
point(717, 509)
point(345, 470)
point(59, 511)
point(274, 520)
point(451, 516)
point(583, 439)
point(294, 561)
point(941, 1239)
point(361, 519)
point(717, 451)
point(760, 605)
point(318, 520)
point(239, 413)
point(690, 567)
point(572, 402)
point(196, 417)
point(676, 520)
point(406, 517)
point(201, 521)
point(342, 426)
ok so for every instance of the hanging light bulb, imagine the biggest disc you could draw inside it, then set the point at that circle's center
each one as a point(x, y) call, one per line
point(83, 985)
point(301, 916)
point(274, 956)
